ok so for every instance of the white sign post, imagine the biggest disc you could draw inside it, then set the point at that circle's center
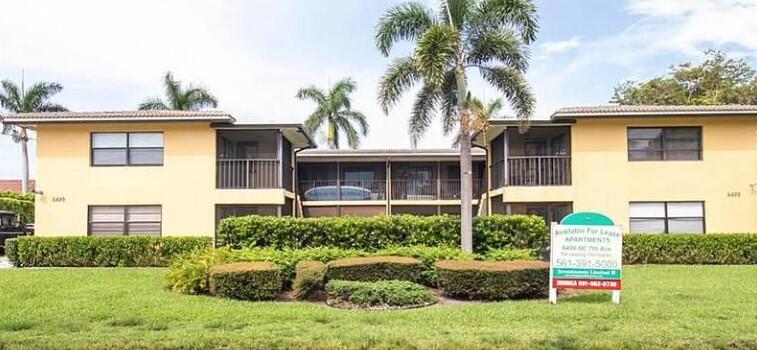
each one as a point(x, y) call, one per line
point(586, 252)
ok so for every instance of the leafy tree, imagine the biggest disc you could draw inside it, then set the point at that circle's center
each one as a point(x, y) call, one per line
point(334, 110)
point(19, 100)
point(192, 98)
point(488, 36)
point(718, 80)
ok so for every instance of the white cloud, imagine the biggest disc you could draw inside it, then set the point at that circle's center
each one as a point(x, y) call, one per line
point(552, 47)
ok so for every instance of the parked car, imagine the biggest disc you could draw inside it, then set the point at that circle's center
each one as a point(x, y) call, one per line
point(11, 227)
point(326, 193)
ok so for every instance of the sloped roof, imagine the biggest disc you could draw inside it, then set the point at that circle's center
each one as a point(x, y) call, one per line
point(647, 110)
point(117, 116)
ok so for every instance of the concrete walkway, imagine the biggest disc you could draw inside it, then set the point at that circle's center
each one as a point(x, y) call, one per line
point(4, 264)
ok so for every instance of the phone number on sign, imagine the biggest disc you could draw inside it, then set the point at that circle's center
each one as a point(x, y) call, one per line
point(589, 263)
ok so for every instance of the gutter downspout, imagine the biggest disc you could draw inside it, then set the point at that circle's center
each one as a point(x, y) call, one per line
point(296, 181)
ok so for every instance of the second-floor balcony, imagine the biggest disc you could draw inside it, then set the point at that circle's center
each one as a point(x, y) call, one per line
point(247, 173)
point(532, 171)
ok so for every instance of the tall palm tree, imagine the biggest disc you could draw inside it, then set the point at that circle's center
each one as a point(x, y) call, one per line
point(192, 98)
point(20, 100)
point(334, 109)
point(488, 36)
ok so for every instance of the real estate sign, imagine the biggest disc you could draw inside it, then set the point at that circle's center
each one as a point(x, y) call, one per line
point(586, 253)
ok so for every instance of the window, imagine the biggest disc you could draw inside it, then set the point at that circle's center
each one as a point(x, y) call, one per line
point(121, 148)
point(131, 220)
point(674, 143)
point(667, 217)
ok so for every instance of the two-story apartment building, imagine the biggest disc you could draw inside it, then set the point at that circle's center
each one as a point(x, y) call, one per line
point(650, 168)
point(158, 172)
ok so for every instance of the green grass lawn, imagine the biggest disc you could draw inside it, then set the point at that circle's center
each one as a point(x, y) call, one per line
point(699, 307)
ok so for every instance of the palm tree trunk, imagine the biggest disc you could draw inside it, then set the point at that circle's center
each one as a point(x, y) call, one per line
point(466, 184)
point(331, 135)
point(24, 161)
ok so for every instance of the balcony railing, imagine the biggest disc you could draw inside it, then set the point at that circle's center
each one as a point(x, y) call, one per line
point(538, 171)
point(345, 190)
point(247, 173)
point(431, 189)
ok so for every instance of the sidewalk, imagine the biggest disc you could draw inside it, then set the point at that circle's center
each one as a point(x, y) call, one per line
point(4, 264)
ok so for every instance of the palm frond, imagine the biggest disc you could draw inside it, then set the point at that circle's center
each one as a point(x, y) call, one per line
point(174, 94)
point(353, 138)
point(448, 103)
point(459, 9)
point(154, 103)
point(422, 114)
point(315, 121)
point(399, 77)
point(11, 98)
point(51, 107)
point(435, 53)
point(38, 94)
point(512, 83)
point(518, 14)
point(339, 95)
point(198, 98)
point(502, 46)
point(406, 21)
point(357, 117)
point(312, 93)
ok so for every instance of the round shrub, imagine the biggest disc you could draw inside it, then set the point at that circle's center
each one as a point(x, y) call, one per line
point(245, 280)
point(309, 279)
point(382, 294)
point(493, 280)
point(377, 268)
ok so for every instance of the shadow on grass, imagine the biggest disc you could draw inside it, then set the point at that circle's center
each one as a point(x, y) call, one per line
point(225, 325)
point(593, 297)
point(16, 326)
point(125, 322)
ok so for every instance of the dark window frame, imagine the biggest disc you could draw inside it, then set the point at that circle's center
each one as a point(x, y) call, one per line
point(663, 152)
point(667, 218)
point(125, 223)
point(128, 148)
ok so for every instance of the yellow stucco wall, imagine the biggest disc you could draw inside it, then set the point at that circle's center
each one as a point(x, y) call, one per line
point(604, 180)
point(184, 186)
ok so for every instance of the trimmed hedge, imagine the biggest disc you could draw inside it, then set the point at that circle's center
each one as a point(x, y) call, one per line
point(309, 279)
point(510, 254)
point(102, 251)
point(428, 257)
point(381, 294)
point(377, 268)
point(374, 233)
point(493, 280)
point(11, 249)
point(189, 273)
point(21, 203)
point(245, 281)
point(710, 248)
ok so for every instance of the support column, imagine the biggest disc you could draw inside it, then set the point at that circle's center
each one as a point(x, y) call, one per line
point(280, 157)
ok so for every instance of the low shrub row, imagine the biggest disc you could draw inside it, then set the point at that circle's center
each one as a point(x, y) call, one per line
point(188, 274)
point(245, 281)
point(510, 254)
point(21, 203)
point(387, 294)
point(309, 279)
point(374, 233)
point(100, 251)
point(730, 249)
point(493, 280)
point(377, 268)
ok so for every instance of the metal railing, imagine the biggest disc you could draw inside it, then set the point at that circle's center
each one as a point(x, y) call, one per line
point(538, 171)
point(432, 189)
point(345, 190)
point(247, 173)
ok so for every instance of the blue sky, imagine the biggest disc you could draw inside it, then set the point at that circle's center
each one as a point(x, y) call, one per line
point(254, 55)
